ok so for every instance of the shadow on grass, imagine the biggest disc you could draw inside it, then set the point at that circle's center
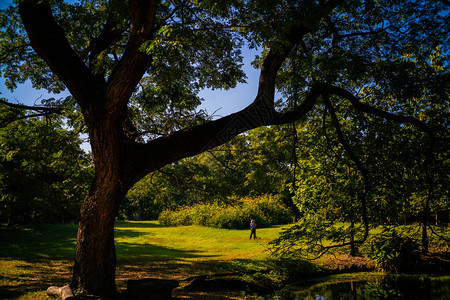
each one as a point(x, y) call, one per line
point(120, 233)
point(38, 242)
point(35, 257)
point(15, 291)
point(141, 253)
point(44, 242)
point(21, 278)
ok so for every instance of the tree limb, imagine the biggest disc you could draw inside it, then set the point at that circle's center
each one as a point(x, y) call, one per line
point(133, 64)
point(195, 140)
point(43, 109)
point(109, 35)
point(48, 40)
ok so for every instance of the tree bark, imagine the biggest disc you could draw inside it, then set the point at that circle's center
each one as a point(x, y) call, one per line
point(95, 258)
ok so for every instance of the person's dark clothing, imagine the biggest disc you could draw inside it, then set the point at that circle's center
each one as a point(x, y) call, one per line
point(253, 230)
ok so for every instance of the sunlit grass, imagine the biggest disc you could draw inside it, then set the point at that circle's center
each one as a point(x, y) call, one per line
point(189, 242)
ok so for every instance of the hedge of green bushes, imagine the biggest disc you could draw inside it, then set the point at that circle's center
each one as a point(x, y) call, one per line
point(266, 210)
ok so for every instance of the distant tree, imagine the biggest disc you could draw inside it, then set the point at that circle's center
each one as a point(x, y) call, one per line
point(44, 173)
point(135, 67)
point(252, 164)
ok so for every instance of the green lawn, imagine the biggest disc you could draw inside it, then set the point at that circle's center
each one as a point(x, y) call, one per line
point(35, 257)
point(150, 241)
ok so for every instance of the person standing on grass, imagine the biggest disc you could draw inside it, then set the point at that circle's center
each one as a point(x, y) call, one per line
point(252, 229)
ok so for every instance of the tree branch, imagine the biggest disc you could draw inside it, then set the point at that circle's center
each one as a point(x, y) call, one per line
point(48, 40)
point(43, 109)
point(134, 62)
point(378, 112)
point(195, 140)
point(261, 112)
point(107, 38)
point(358, 164)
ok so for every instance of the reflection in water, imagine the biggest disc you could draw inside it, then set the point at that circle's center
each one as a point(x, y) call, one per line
point(387, 287)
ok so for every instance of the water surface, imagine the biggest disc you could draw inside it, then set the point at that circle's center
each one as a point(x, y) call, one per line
point(371, 288)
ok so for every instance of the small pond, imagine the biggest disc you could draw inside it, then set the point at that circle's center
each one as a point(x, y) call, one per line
point(376, 287)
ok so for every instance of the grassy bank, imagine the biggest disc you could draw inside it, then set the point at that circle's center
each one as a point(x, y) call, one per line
point(33, 258)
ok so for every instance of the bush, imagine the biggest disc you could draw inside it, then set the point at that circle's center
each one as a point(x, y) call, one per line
point(266, 210)
point(394, 251)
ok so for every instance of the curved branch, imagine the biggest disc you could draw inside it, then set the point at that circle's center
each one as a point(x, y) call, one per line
point(48, 40)
point(378, 112)
point(302, 109)
point(195, 140)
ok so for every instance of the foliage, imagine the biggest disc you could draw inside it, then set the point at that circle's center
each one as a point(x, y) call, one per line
point(394, 250)
point(266, 210)
point(293, 269)
point(313, 237)
point(44, 173)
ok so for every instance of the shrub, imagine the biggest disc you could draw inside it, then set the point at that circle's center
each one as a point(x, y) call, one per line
point(394, 251)
point(266, 210)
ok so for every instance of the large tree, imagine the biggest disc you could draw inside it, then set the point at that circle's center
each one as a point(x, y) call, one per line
point(134, 68)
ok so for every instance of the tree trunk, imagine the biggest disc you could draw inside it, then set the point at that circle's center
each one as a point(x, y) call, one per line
point(353, 249)
point(95, 259)
point(426, 212)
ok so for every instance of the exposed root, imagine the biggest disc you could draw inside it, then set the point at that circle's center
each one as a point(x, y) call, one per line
point(65, 292)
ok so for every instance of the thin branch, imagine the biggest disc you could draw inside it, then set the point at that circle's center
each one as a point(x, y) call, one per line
point(107, 38)
point(357, 104)
point(177, 7)
point(4, 123)
point(225, 165)
point(46, 109)
point(302, 109)
point(359, 165)
point(16, 49)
